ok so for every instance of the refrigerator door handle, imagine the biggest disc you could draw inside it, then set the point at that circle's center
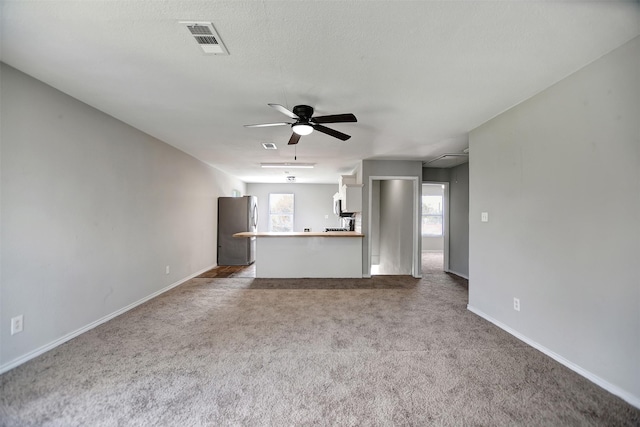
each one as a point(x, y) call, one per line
point(255, 217)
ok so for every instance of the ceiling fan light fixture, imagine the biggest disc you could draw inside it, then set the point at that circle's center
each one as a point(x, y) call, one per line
point(302, 129)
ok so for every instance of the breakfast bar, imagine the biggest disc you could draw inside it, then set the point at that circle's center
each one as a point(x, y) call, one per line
point(329, 254)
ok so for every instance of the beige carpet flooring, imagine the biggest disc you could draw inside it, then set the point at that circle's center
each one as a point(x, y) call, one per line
point(260, 352)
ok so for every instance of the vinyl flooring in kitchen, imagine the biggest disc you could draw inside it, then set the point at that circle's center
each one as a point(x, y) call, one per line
point(223, 271)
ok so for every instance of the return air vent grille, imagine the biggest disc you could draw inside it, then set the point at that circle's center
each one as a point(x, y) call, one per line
point(206, 36)
point(206, 40)
point(199, 29)
point(269, 146)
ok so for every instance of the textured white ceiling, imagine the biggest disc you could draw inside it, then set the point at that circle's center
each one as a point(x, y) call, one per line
point(418, 75)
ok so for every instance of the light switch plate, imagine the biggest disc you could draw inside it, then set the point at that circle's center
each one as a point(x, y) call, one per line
point(484, 217)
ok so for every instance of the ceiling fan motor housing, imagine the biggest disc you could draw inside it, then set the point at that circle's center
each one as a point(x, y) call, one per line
point(305, 112)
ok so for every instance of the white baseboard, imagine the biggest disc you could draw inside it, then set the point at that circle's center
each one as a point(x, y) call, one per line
point(53, 344)
point(611, 388)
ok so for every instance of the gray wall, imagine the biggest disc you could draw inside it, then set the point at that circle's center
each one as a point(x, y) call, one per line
point(374, 231)
point(432, 244)
point(312, 203)
point(435, 174)
point(459, 220)
point(92, 210)
point(458, 179)
point(381, 168)
point(559, 176)
point(396, 227)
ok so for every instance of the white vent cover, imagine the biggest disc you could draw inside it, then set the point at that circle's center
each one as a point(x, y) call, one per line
point(269, 146)
point(206, 37)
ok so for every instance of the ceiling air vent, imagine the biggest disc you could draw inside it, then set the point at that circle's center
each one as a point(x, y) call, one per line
point(269, 146)
point(447, 160)
point(206, 37)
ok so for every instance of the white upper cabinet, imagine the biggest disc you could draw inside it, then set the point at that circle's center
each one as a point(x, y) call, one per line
point(350, 193)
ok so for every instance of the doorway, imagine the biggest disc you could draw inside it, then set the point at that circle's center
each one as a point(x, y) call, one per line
point(434, 226)
point(394, 225)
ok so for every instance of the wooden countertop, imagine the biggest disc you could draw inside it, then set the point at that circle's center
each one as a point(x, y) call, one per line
point(298, 234)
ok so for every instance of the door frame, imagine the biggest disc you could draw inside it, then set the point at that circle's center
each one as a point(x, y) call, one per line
point(445, 221)
point(416, 263)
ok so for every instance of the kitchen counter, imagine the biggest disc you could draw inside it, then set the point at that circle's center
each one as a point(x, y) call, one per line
point(328, 254)
point(298, 234)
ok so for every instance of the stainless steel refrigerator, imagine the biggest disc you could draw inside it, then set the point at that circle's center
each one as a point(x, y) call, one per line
point(235, 215)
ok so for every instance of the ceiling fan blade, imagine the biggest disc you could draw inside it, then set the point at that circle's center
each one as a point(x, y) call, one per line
point(284, 111)
point(335, 118)
point(331, 132)
point(294, 138)
point(264, 125)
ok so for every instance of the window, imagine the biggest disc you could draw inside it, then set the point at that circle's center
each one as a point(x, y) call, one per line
point(432, 215)
point(281, 212)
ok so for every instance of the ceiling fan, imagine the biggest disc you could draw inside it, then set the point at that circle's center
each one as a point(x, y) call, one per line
point(305, 123)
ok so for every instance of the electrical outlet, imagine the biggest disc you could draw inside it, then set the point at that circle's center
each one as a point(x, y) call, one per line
point(484, 216)
point(516, 304)
point(167, 270)
point(16, 324)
